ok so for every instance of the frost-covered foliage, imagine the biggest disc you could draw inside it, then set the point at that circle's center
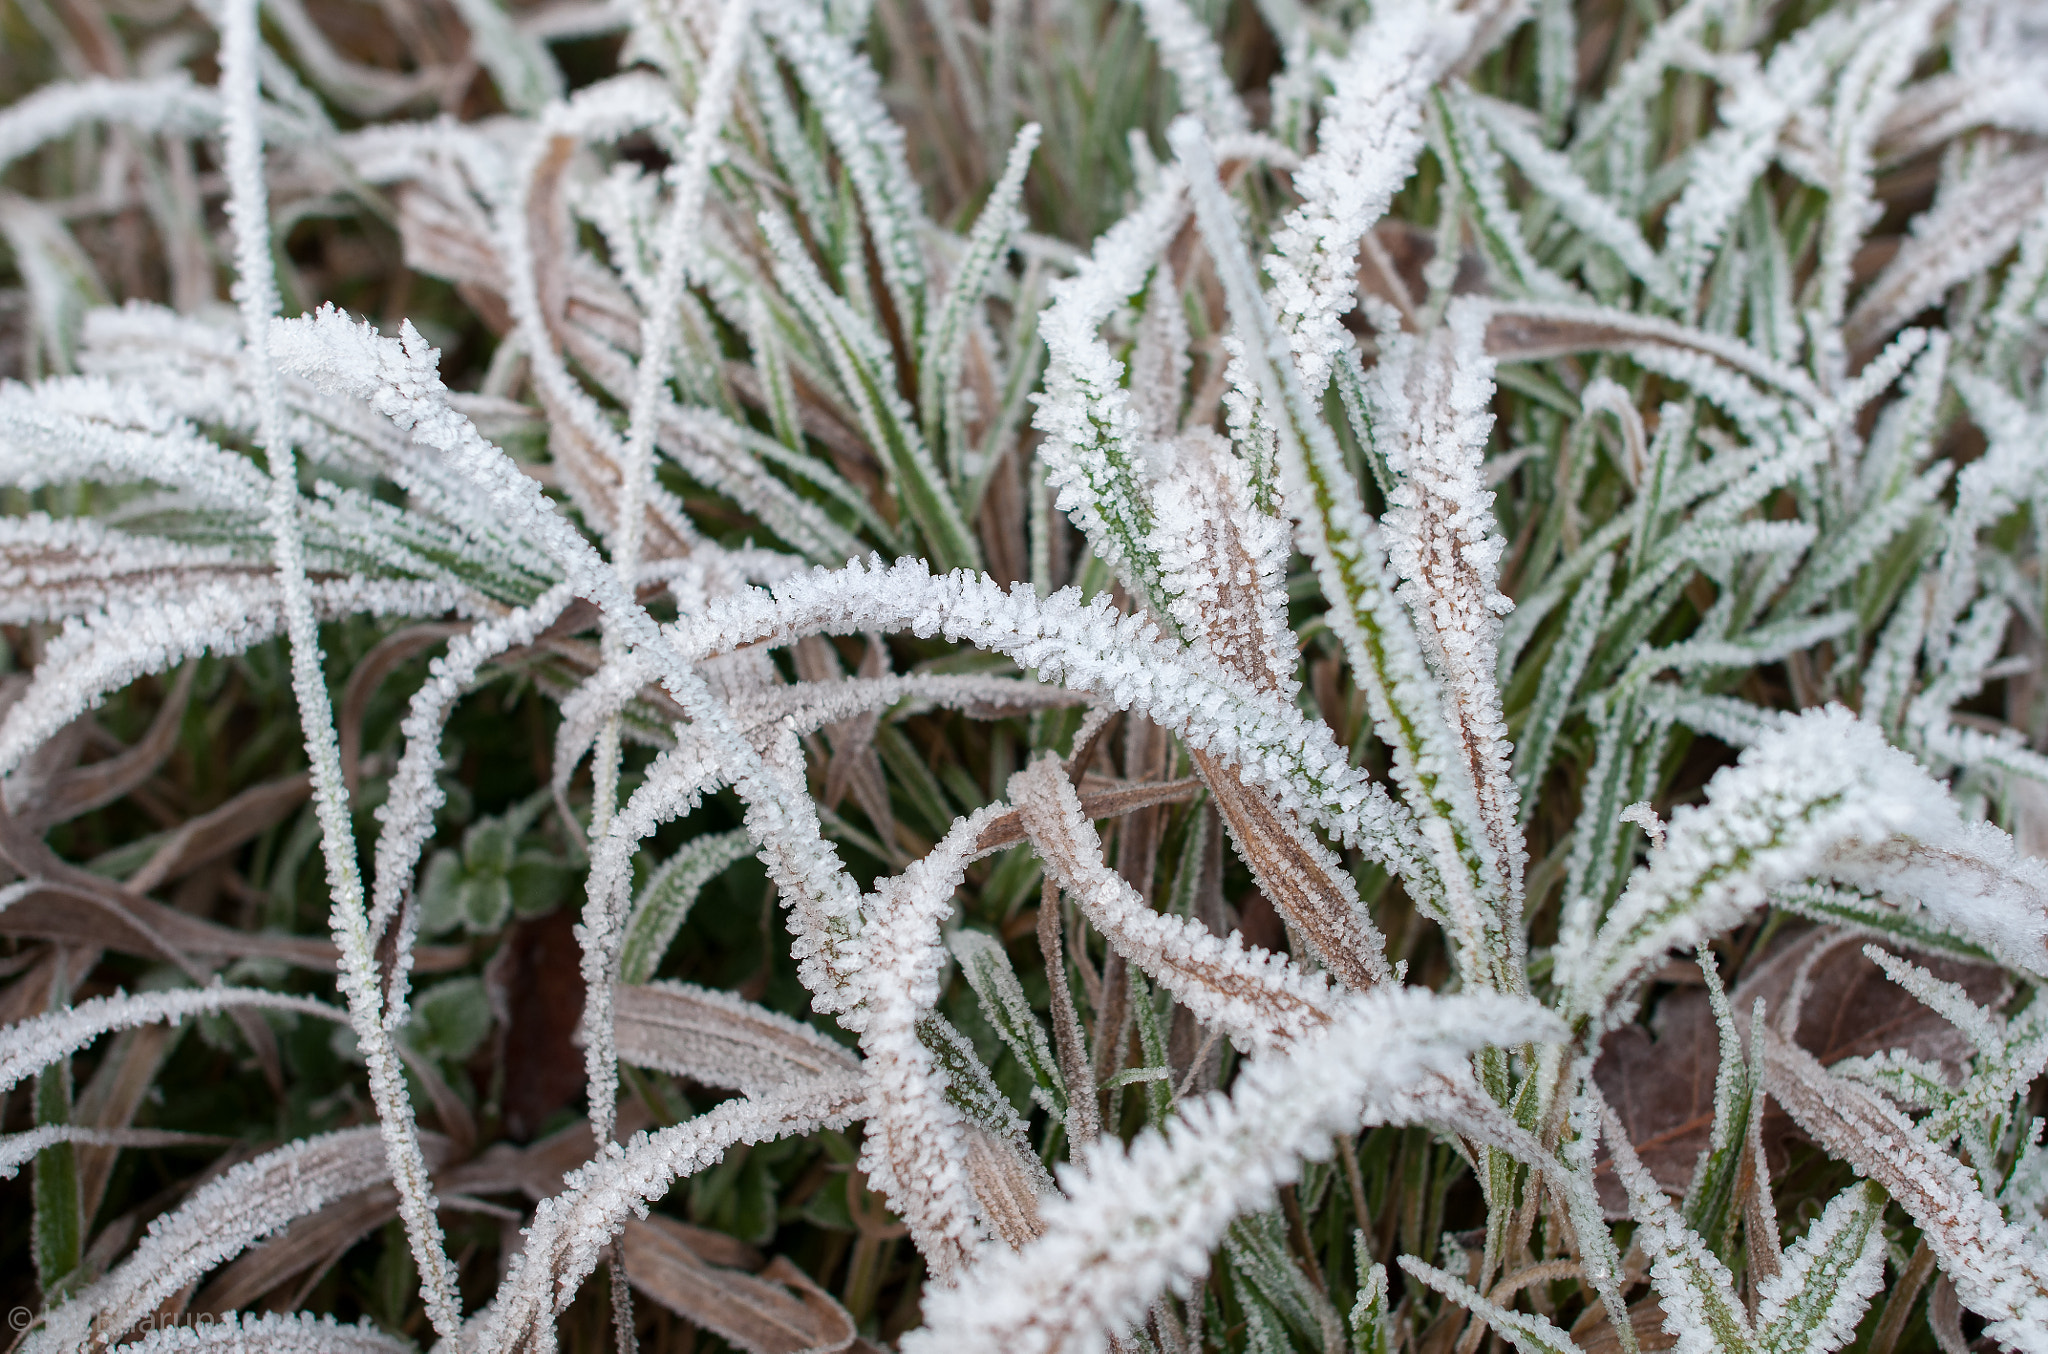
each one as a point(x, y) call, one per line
point(945, 638)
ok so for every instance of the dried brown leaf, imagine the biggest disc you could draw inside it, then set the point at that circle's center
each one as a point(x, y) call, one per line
point(538, 1002)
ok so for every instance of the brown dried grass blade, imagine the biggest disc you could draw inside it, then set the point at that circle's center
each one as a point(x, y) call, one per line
point(309, 1243)
point(1298, 877)
point(1967, 228)
point(2001, 1272)
point(779, 1311)
point(218, 831)
point(120, 921)
point(1945, 1318)
point(83, 789)
point(1084, 1123)
point(1536, 332)
point(720, 1039)
point(536, 1170)
point(854, 764)
point(1007, 829)
point(390, 654)
point(1257, 997)
point(117, 1090)
point(1006, 1185)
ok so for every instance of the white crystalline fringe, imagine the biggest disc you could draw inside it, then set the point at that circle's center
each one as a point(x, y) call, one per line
point(167, 103)
point(28, 1045)
point(845, 93)
point(1094, 449)
point(1821, 794)
point(101, 652)
point(987, 970)
point(268, 1333)
point(256, 292)
point(86, 428)
point(57, 568)
point(1529, 1334)
point(570, 1231)
point(1261, 1000)
point(678, 244)
point(415, 794)
point(18, 1149)
point(665, 899)
point(1551, 173)
point(1085, 647)
point(1319, 492)
point(915, 1148)
point(1189, 50)
point(1694, 1287)
point(1984, 1030)
point(1997, 1269)
point(1195, 527)
point(1137, 1221)
point(1223, 563)
point(214, 1224)
point(1754, 106)
point(1435, 403)
point(670, 789)
point(714, 1037)
point(399, 380)
point(945, 345)
point(1160, 361)
point(1825, 1281)
point(614, 106)
point(1366, 145)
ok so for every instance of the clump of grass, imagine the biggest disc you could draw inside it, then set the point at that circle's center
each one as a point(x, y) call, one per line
point(995, 676)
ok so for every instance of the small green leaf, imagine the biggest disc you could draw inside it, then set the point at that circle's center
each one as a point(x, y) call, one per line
point(439, 900)
point(539, 882)
point(484, 900)
point(489, 845)
point(451, 1019)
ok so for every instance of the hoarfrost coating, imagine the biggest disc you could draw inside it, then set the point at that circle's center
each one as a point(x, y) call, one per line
point(1549, 546)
